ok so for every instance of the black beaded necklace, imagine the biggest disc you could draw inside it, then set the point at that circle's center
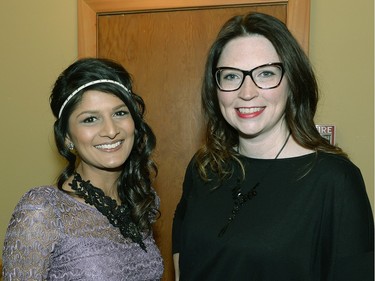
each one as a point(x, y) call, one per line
point(239, 199)
point(118, 215)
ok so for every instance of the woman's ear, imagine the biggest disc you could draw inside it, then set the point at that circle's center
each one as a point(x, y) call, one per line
point(69, 144)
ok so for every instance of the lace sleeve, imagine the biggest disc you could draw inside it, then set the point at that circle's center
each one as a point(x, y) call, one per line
point(30, 238)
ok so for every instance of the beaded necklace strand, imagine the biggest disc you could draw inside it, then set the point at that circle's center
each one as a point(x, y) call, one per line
point(239, 199)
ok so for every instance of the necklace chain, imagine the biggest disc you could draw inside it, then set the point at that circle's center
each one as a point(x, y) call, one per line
point(239, 199)
point(118, 215)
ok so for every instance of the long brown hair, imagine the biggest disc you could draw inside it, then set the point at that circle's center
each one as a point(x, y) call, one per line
point(134, 185)
point(301, 105)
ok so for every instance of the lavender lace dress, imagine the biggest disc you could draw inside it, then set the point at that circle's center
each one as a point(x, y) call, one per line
point(52, 236)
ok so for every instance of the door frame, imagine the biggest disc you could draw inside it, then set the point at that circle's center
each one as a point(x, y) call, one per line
point(298, 16)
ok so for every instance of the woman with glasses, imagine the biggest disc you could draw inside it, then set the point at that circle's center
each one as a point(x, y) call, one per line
point(266, 197)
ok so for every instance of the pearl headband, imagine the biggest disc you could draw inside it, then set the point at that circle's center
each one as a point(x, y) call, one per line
point(87, 85)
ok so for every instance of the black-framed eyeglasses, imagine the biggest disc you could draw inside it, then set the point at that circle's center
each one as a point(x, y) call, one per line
point(266, 76)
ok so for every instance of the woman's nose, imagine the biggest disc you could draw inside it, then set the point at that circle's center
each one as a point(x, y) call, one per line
point(109, 129)
point(248, 89)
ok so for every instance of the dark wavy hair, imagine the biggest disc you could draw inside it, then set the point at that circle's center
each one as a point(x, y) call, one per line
point(301, 105)
point(134, 183)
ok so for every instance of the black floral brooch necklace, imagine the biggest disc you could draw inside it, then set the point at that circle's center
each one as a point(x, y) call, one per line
point(118, 215)
point(239, 198)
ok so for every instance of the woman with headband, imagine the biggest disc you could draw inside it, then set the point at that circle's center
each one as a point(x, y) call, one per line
point(96, 223)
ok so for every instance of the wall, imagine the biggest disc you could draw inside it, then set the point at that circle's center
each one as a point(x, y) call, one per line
point(342, 53)
point(39, 39)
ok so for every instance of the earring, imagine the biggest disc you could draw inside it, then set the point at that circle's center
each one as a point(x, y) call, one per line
point(70, 146)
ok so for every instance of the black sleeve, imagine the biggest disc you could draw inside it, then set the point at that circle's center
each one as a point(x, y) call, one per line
point(180, 210)
point(355, 243)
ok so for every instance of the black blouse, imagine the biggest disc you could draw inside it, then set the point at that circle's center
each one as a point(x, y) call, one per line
point(310, 220)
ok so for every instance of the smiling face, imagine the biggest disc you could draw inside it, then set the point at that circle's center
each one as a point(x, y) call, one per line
point(102, 131)
point(250, 110)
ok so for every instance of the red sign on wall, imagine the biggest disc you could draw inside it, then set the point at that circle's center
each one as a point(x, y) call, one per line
point(328, 132)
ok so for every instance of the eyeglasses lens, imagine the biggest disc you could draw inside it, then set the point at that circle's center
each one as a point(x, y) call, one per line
point(264, 77)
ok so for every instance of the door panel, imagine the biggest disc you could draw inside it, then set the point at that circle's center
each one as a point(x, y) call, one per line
point(165, 51)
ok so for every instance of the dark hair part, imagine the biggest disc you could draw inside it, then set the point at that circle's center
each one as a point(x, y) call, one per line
point(134, 183)
point(301, 105)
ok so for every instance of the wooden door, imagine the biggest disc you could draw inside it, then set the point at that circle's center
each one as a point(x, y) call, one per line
point(165, 51)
